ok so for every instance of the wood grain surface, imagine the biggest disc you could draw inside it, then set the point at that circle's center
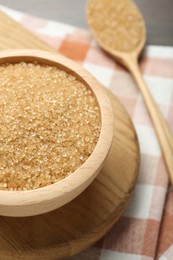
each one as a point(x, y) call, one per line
point(157, 14)
point(80, 223)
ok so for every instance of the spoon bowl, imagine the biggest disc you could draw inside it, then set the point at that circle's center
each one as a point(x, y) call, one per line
point(118, 26)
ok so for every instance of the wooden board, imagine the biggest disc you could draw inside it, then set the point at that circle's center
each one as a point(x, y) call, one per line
point(77, 225)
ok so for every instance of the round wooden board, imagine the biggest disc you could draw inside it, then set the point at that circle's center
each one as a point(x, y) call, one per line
point(77, 225)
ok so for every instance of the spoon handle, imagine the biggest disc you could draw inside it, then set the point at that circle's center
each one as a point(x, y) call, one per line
point(163, 133)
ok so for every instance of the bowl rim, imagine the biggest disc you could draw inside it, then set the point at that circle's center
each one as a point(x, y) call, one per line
point(71, 186)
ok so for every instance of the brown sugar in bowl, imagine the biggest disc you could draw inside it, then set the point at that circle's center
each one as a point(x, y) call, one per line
point(37, 189)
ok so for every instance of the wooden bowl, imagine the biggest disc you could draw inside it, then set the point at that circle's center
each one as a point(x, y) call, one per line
point(48, 198)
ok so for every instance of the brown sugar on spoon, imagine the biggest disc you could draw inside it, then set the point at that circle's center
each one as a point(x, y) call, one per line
point(49, 125)
point(123, 30)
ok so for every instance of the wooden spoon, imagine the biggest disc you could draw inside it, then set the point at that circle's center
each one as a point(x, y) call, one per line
point(119, 28)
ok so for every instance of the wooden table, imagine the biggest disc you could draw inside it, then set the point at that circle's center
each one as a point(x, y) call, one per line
point(157, 13)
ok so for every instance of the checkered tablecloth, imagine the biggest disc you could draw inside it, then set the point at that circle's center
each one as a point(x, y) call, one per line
point(145, 231)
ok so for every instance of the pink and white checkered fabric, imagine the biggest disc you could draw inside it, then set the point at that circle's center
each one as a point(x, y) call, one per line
point(145, 231)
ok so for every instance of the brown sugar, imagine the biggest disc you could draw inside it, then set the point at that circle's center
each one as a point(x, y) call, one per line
point(49, 125)
point(119, 25)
